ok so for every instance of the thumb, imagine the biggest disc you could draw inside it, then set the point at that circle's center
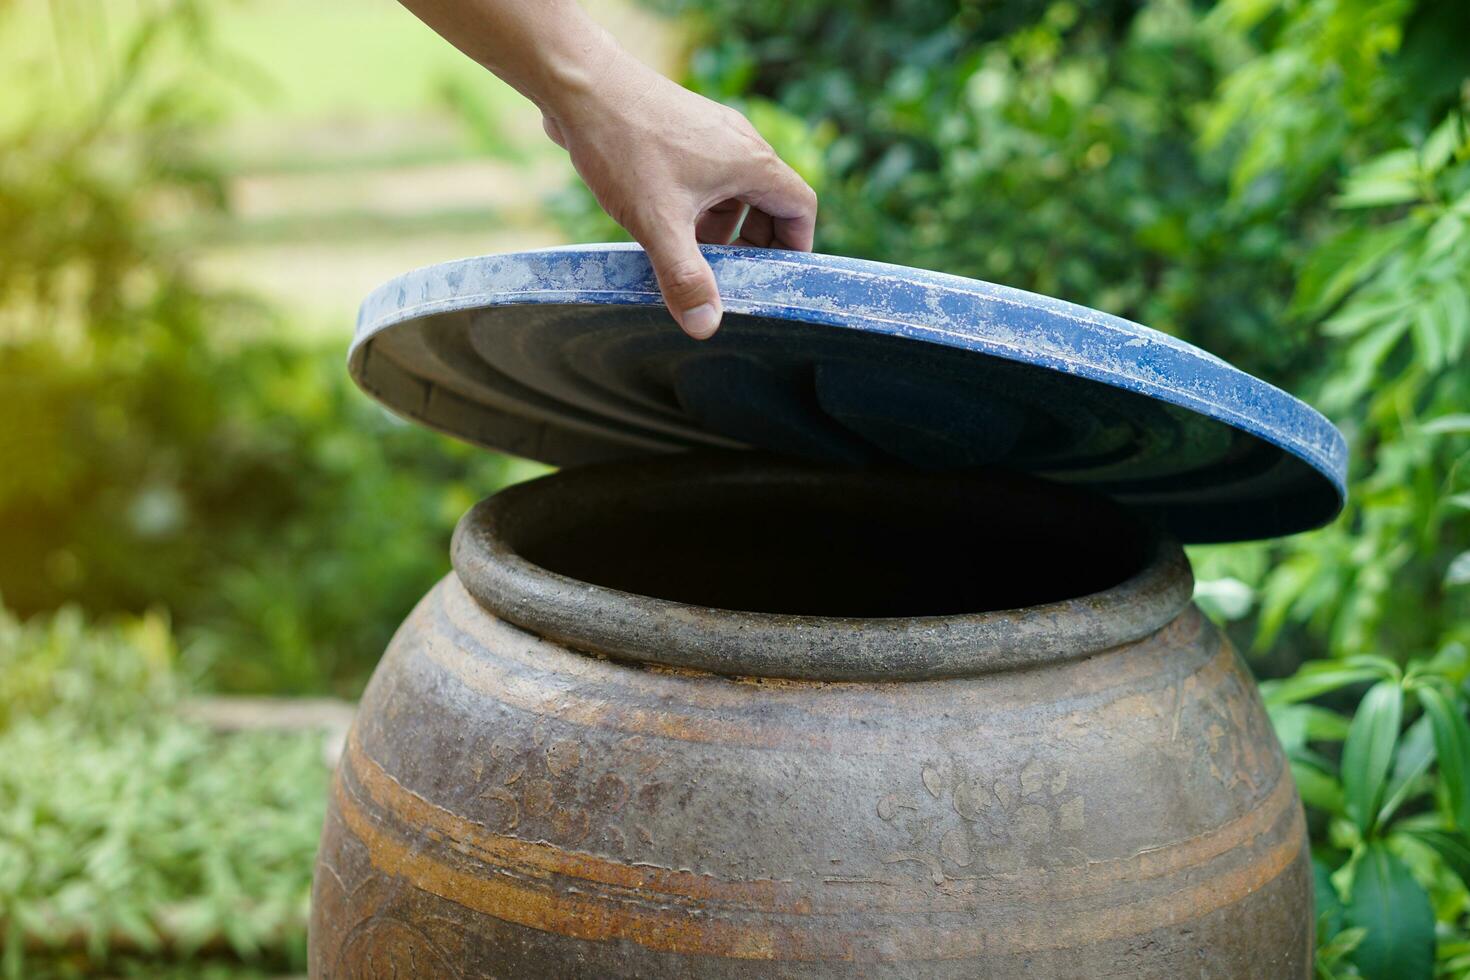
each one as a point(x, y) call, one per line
point(685, 279)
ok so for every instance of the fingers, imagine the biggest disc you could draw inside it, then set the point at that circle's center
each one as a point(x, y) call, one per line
point(719, 224)
point(685, 280)
point(789, 204)
point(758, 230)
point(795, 233)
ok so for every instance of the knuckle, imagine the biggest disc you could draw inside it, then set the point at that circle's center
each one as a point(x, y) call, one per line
point(764, 151)
point(736, 119)
point(778, 173)
point(683, 276)
point(754, 142)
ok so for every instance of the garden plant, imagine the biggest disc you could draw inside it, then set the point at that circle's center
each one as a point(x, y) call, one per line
point(1285, 183)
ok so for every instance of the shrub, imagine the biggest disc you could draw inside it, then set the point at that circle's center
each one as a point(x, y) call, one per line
point(1284, 182)
point(126, 832)
point(172, 445)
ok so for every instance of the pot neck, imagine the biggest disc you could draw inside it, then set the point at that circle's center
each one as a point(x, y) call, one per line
point(493, 540)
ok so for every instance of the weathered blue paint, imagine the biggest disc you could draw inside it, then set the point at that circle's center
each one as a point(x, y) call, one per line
point(566, 355)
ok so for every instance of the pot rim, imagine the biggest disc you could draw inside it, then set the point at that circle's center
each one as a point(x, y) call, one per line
point(626, 626)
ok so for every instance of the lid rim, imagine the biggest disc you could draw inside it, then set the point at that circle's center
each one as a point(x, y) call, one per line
point(979, 319)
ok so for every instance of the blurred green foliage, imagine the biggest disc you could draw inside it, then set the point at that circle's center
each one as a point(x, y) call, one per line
point(129, 836)
point(165, 444)
point(172, 456)
point(1387, 789)
point(1285, 183)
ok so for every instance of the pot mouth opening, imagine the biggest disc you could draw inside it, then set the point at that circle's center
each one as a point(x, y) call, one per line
point(876, 550)
point(618, 558)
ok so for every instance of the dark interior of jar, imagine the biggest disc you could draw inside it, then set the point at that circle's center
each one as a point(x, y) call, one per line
point(851, 546)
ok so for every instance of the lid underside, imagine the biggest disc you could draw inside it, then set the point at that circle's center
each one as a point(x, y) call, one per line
point(569, 357)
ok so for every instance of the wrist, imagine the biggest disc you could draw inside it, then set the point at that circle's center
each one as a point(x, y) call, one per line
point(575, 72)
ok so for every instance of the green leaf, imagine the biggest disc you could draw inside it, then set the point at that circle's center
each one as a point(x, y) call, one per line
point(1324, 892)
point(1452, 742)
point(1290, 725)
point(1453, 849)
point(1432, 335)
point(1416, 752)
point(1451, 661)
point(1225, 599)
point(1360, 369)
point(1315, 679)
point(1298, 724)
point(1324, 725)
point(1339, 946)
point(1394, 910)
point(1455, 966)
point(1454, 300)
point(1441, 145)
point(1358, 316)
point(1369, 751)
point(1317, 788)
point(1386, 668)
point(1459, 571)
point(1340, 265)
point(1392, 178)
point(1447, 425)
point(1443, 237)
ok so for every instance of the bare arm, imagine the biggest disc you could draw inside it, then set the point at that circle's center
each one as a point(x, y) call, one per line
point(671, 167)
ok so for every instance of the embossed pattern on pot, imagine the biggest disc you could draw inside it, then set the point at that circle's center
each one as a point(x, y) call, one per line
point(512, 806)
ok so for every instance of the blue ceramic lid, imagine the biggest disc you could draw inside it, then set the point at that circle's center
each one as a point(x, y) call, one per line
point(567, 356)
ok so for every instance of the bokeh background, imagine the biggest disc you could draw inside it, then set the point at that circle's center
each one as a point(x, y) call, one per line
point(207, 535)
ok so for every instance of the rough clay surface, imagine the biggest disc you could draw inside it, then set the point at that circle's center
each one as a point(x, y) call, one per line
point(509, 807)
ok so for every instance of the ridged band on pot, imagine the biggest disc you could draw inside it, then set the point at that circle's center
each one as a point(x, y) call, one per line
point(648, 629)
point(508, 807)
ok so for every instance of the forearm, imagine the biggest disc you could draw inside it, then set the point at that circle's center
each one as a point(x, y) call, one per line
point(550, 51)
point(670, 166)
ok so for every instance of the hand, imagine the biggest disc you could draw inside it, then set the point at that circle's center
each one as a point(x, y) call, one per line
point(673, 168)
point(676, 169)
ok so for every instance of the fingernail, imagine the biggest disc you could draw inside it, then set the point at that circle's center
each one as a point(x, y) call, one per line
point(701, 322)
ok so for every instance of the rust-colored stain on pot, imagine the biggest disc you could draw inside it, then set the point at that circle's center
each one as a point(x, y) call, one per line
point(509, 805)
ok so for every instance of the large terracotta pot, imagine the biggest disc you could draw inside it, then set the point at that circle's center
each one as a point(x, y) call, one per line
point(731, 717)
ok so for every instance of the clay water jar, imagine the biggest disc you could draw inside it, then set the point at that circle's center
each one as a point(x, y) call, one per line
point(736, 717)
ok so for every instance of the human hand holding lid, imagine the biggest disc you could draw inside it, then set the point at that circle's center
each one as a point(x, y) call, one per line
point(670, 166)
